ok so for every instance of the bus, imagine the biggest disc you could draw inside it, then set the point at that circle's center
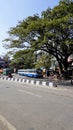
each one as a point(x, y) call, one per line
point(36, 73)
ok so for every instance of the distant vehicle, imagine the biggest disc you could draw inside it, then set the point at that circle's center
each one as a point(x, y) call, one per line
point(36, 73)
point(6, 71)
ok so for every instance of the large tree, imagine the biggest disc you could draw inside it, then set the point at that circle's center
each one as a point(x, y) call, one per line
point(52, 32)
point(23, 59)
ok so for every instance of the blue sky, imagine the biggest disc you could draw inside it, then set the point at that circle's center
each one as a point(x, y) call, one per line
point(12, 11)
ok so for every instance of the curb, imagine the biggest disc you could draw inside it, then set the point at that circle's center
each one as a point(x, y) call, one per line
point(32, 82)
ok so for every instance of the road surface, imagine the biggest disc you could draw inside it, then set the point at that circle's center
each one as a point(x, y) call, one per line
point(26, 107)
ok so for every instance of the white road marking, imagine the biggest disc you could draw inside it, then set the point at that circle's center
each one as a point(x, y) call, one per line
point(30, 93)
point(6, 123)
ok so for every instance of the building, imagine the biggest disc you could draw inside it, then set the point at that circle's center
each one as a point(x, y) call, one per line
point(3, 64)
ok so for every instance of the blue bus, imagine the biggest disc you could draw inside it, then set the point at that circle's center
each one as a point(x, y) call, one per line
point(36, 73)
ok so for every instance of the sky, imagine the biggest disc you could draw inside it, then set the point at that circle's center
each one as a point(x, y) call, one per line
point(12, 11)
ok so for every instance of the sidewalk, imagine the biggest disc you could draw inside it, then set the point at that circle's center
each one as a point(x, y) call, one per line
point(65, 83)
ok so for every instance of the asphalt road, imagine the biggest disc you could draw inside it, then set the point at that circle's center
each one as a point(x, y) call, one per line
point(26, 107)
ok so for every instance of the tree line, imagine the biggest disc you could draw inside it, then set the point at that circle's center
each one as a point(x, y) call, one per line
point(52, 32)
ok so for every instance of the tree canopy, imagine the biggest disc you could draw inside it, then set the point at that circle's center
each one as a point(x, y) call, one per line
point(23, 59)
point(51, 32)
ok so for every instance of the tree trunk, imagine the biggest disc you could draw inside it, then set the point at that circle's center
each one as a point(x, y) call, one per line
point(66, 65)
point(60, 69)
point(63, 65)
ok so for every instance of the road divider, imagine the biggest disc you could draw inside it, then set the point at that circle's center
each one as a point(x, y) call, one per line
point(30, 81)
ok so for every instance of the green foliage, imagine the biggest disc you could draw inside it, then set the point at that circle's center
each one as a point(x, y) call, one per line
point(44, 61)
point(52, 33)
point(23, 59)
